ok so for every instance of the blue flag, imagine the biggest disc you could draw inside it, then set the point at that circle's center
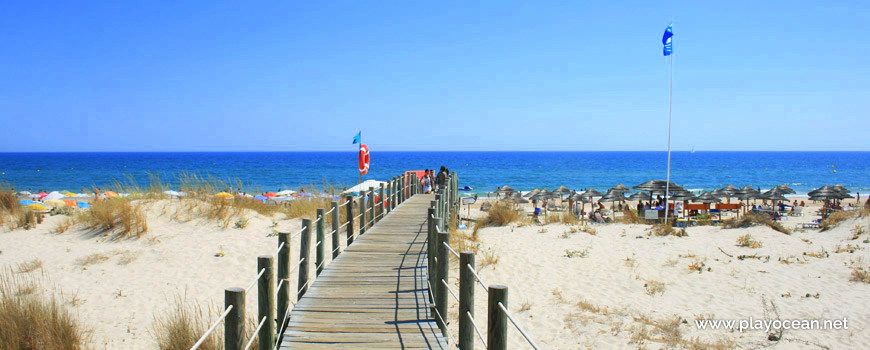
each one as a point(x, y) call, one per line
point(356, 138)
point(667, 40)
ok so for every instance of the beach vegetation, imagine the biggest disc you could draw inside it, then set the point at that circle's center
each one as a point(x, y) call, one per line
point(629, 217)
point(182, 326)
point(241, 222)
point(489, 259)
point(860, 274)
point(589, 229)
point(64, 225)
point(662, 230)
point(654, 287)
point(32, 318)
point(698, 265)
point(834, 219)
point(576, 253)
point(750, 220)
point(703, 219)
point(565, 218)
point(498, 215)
point(29, 266)
point(91, 259)
point(747, 241)
point(116, 215)
point(525, 306)
point(857, 232)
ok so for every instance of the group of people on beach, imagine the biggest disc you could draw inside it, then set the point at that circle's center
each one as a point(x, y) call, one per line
point(434, 183)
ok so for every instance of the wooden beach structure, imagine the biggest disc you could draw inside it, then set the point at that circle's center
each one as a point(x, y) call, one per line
point(386, 286)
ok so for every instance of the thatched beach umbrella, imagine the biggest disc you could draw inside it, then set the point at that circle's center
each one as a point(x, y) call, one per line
point(613, 196)
point(562, 190)
point(504, 190)
point(620, 188)
point(784, 189)
point(532, 193)
point(640, 196)
point(707, 197)
point(728, 192)
point(840, 188)
point(586, 197)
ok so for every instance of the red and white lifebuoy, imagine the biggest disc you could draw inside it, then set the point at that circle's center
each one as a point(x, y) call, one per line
point(364, 159)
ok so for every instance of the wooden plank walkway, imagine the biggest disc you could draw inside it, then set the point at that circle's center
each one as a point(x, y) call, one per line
point(374, 295)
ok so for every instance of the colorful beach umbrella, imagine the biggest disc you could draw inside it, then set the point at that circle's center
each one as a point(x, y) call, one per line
point(223, 195)
point(25, 202)
point(41, 195)
point(69, 194)
point(70, 203)
point(84, 205)
point(270, 194)
point(261, 198)
point(25, 193)
point(37, 206)
point(110, 193)
point(53, 195)
point(286, 192)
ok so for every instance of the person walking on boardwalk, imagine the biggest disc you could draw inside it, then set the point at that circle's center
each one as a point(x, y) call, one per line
point(427, 182)
point(441, 179)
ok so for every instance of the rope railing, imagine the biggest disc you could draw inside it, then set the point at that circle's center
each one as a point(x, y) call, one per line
point(254, 283)
point(451, 250)
point(477, 277)
point(280, 246)
point(476, 328)
point(450, 290)
point(449, 336)
point(514, 322)
point(212, 328)
point(256, 333)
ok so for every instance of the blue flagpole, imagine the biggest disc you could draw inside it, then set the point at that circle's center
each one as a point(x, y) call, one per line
point(670, 110)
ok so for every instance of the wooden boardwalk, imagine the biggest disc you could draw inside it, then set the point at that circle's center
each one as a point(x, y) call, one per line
point(374, 295)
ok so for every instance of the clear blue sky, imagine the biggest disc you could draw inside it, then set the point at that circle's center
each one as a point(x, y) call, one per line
point(497, 75)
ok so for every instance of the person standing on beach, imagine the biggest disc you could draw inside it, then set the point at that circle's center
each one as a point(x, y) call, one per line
point(427, 182)
point(441, 178)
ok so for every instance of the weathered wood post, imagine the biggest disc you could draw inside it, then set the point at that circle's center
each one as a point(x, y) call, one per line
point(466, 300)
point(402, 188)
point(431, 251)
point(320, 248)
point(283, 297)
point(438, 207)
point(496, 321)
point(234, 324)
point(349, 211)
point(362, 213)
point(383, 196)
point(336, 244)
point(443, 271)
point(304, 258)
point(388, 203)
point(266, 301)
point(371, 207)
point(394, 194)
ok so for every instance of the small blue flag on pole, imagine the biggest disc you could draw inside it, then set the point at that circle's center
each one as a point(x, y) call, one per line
point(667, 40)
point(356, 138)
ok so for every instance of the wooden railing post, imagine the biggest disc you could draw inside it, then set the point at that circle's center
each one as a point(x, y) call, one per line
point(266, 302)
point(402, 187)
point(320, 249)
point(362, 213)
point(304, 258)
point(371, 207)
point(383, 196)
point(496, 321)
point(283, 298)
point(349, 212)
point(393, 194)
point(438, 207)
point(234, 324)
point(431, 242)
point(466, 300)
point(336, 243)
point(443, 271)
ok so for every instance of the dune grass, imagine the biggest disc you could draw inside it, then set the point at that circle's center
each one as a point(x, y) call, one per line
point(498, 215)
point(835, 219)
point(30, 318)
point(116, 215)
point(750, 220)
point(186, 321)
point(662, 230)
point(747, 241)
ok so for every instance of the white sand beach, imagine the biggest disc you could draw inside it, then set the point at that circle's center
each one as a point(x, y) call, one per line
point(623, 288)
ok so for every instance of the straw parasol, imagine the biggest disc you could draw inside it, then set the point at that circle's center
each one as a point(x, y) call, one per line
point(728, 192)
point(504, 190)
point(621, 188)
point(784, 189)
point(640, 196)
point(532, 193)
point(707, 197)
point(562, 190)
point(613, 196)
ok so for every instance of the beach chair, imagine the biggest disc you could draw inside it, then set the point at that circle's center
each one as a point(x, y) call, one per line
point(599, 219)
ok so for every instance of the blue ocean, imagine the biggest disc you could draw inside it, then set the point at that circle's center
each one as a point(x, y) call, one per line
point(483, 171)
